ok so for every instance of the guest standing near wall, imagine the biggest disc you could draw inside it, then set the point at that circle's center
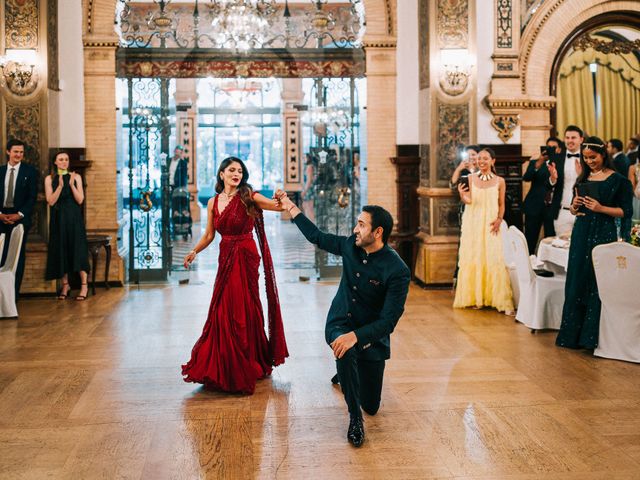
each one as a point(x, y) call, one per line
point(68, 250)
point(17, 199)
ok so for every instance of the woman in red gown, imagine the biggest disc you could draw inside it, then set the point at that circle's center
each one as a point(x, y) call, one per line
point(233, 350)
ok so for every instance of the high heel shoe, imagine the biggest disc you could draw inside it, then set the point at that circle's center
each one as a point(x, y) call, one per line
point(64, 291)
point(81, 298)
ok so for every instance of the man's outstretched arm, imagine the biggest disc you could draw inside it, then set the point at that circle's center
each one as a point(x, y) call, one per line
point(326, 241)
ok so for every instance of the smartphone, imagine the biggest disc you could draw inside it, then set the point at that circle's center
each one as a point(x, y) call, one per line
point(547, 151)
point(464, 180)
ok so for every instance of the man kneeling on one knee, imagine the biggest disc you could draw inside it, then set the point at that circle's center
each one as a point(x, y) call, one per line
point(369, 302)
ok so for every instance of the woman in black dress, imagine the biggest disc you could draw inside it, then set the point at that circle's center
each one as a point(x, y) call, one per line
point(595, 224)
point(68, 251)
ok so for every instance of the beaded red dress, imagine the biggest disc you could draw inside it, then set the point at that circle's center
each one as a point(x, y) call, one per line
point(233, 350)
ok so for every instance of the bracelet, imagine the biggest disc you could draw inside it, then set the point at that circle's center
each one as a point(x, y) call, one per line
point(194, 252)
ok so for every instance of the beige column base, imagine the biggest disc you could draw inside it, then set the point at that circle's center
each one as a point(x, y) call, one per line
point(436, 258)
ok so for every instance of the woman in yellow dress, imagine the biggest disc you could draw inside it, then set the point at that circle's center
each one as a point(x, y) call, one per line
point(483, 280)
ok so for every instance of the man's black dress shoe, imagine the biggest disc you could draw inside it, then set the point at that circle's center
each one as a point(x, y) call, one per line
point(355, 434)
point(335, 380)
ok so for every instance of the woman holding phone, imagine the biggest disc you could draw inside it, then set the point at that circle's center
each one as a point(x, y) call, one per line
point(483, 280)
point(601, 195)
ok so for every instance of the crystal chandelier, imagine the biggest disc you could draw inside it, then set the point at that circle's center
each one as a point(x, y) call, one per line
point(242, 24)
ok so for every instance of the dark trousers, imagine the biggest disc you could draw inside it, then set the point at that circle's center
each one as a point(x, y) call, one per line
point(361, 382)
point(7, 229)
point(532, 225)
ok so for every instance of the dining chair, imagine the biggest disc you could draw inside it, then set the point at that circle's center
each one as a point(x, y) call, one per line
point(541, 298)
point(617, 268)
point(8, 274)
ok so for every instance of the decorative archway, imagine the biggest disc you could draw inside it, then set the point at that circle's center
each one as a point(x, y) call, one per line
point(100, 44)
point(549, 32)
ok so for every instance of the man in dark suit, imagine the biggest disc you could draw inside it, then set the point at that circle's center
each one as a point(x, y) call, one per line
point(563, 173)
point(632, 150)
point(537, 203)
point(620, 160)
point(369, 302)
point(18, 193)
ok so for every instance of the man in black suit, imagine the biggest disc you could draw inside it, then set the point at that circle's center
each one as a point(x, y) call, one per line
point(537, 203)
point(632, 150)
point(366, 309)
point(563, 173)
point(19, 182)
point(620, 160)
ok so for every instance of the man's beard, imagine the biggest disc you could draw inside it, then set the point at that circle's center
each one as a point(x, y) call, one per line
point(364, 241)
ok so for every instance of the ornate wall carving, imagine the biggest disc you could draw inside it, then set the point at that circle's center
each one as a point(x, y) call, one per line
point(21, 23)
point(424, 165)
point(423, 45)
point(23, 122)
point(453, 23)
point(453, 133)
point(52, 44)
point(504, 24)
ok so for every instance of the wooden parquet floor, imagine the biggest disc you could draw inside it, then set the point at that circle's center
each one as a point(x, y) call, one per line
point(93, 390)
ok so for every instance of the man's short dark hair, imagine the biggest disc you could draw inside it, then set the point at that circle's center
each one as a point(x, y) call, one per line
point(380, 218)
point(617, 144)
point(635, 141)
point(475, 148)
point(557, 140)
point(14, 142)
point(573, 128)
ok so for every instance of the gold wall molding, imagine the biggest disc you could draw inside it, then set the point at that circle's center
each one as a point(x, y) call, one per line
point(453, 23)
point(505, 125)
point(99, 44)
point(522, 104)
point(21, 18)
point(535, 26)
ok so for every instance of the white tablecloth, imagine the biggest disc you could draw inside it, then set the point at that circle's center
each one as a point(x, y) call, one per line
point(555, 257)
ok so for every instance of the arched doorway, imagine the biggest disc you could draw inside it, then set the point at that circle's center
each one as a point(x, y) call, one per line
point(595, 77)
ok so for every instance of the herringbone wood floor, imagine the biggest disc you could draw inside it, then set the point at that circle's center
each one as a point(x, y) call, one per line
point(93, 390)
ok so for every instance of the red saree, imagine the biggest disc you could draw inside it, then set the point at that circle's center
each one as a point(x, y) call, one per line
point(233, 350)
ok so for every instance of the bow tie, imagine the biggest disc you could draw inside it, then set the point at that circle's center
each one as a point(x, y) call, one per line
point(575, 155)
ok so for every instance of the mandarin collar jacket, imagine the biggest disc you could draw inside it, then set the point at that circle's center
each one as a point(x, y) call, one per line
point(372, 292)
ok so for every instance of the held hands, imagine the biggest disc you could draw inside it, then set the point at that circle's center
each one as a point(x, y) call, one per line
point(343, 343)
point(280, 196)
point(575, 205)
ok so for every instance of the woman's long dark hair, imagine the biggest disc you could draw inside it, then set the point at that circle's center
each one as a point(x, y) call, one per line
point(595, 144)
point(244, 189)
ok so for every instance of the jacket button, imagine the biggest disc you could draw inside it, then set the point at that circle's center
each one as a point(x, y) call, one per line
point(353, 300)
point(355, 288)
point(364, 261)
point(358, 274)
point(349, 314)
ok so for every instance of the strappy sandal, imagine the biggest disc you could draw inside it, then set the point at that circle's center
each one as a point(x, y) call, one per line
point(61, 295)
point(81, 298)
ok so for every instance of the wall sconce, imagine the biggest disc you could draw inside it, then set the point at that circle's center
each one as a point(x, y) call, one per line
point(17, 67)
point(456, 70)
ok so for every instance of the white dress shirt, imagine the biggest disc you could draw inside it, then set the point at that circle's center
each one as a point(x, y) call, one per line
point(570, 177)
point(16, 169)
point(173, 166)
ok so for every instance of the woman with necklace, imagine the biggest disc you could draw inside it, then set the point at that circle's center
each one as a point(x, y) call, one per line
point(595, 224)
point(68, 251)
point(233, 350)
point(483, 280)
